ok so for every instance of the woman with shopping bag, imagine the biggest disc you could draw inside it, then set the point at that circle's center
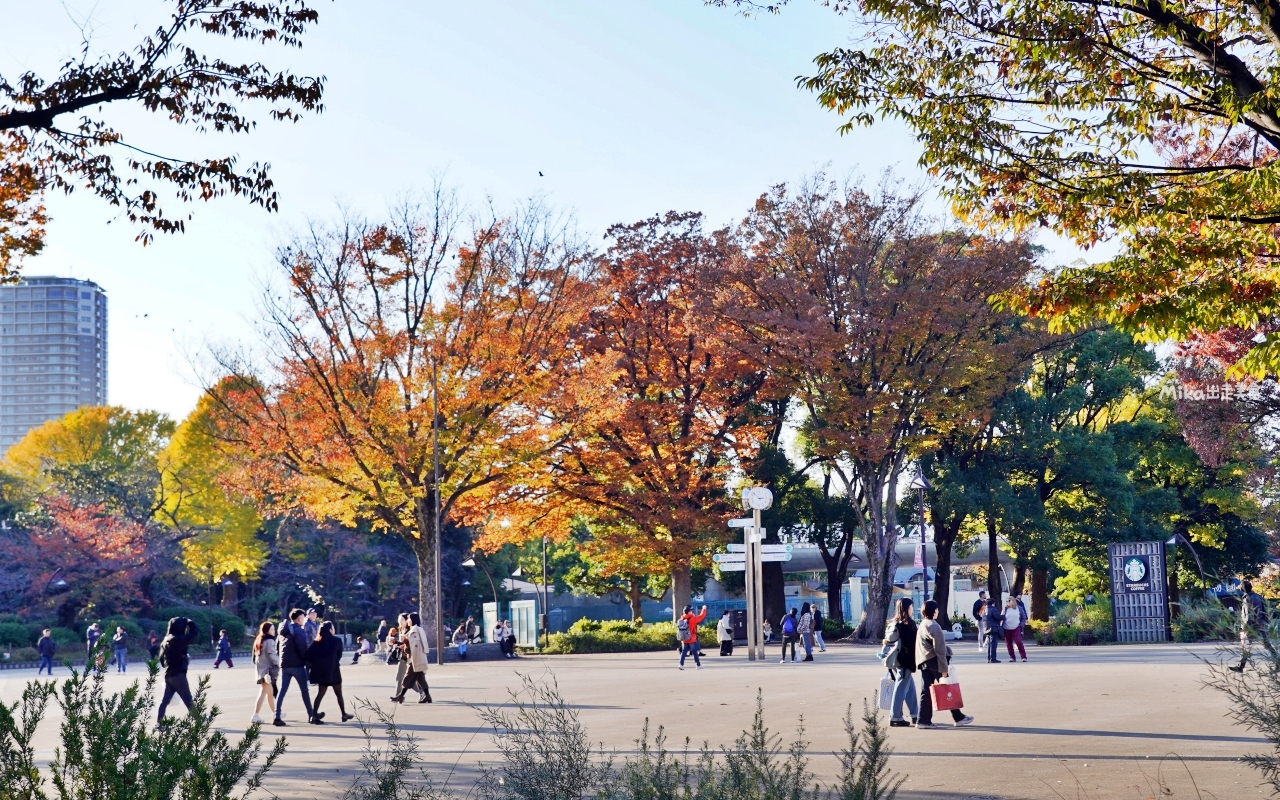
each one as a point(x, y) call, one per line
point(931, 656)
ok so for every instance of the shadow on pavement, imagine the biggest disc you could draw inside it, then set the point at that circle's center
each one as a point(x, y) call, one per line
point(1192, 737)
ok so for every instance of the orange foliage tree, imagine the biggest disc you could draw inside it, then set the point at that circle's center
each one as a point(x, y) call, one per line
point(882, 329)
point(659, 399)
point(375, 315)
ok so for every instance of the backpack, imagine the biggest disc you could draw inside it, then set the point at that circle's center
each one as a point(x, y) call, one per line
point(789, 625)
point(682, 629)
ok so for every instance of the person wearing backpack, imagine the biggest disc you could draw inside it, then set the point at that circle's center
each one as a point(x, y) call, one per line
point(804, 627)
point(687, 633)
point(790, 633)
point(1255, 618)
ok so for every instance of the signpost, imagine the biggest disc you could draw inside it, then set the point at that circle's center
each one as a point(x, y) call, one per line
point(747, 558)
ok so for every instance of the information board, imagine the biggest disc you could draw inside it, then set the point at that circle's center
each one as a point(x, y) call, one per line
point(1139, 607)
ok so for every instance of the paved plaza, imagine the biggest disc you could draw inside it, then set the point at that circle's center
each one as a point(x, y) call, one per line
point(1088, 722)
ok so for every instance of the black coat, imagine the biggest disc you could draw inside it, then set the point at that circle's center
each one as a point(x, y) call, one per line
point(907, 645)
point(293, 645)
point(173, 650)
point(46, 647)
point(323, 658)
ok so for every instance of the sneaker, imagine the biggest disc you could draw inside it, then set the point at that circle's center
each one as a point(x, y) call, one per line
point(783, 661)
point(279, 723)
point(317, 721)
point(699, 666)
point(397, 699)
point(962, 722)
point(1024, 661)
point(680, 666)
point(257, 719)
point(899, 723)
point(925, 726)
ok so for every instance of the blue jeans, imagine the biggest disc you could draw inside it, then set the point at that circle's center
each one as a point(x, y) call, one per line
point(690, 647)
point(807, 638)
point(46, 662)
point(122, 658)
point(993, 642)
point(904, 690)
point(298, 674)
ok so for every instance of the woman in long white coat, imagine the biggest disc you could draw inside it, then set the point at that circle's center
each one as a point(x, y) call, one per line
point(724, 634)
point(419, 656)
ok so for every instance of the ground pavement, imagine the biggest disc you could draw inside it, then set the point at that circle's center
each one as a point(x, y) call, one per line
point(1102, 723)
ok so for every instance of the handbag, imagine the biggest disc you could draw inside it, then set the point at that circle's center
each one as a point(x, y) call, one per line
point(946, 696)
point(886, 692)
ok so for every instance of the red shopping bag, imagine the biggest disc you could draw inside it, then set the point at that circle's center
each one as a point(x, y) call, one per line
point(946, 696)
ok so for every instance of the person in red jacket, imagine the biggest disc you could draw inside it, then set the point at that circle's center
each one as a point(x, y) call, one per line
point(687, 632)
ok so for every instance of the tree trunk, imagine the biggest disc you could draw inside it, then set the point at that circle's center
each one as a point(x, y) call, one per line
point(1040, 594)
point(944, 539)
point(424, 547)
point(633, 594)
point(1019, 577)
point(681, 588)
point(880, 537)
point(994, 589)
point(231, 594)
point(1175, 604)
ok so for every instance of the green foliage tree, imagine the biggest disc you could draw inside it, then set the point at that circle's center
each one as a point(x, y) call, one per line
point(1154, 122)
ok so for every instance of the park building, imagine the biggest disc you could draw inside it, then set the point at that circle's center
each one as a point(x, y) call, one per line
point(53, 351)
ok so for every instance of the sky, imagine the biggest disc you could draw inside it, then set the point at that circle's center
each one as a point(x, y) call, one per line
point(627, 108)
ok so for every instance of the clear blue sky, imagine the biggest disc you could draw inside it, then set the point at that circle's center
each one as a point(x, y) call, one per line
point(628, 107)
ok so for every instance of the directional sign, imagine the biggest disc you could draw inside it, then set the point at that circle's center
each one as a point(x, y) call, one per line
point(775, 556)
point(741, 522)
point(764, 548)
point(725, 558)
point(738, 566)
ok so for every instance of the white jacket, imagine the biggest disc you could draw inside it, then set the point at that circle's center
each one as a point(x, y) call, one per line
point(724, 630)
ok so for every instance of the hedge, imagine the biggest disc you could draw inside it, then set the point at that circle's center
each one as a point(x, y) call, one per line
point(621, 636)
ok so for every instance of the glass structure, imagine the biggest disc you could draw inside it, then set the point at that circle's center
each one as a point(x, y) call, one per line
point(53, 351)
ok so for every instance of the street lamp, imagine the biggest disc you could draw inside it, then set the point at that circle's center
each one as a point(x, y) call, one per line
point(921, 483)
point(471, 562)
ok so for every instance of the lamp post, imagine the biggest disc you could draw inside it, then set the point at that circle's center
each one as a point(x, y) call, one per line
point(921, 483)
point(471, 562)
point(435, 502)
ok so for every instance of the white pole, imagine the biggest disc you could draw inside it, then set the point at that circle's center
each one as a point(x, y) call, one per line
point(757, 568)
point(749, 576)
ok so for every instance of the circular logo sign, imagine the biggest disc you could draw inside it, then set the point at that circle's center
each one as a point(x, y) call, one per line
point(1135, 570)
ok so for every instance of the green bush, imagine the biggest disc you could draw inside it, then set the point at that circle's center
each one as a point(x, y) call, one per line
point(66, 638)
point(1095, 620)
point(619, 636)
point(1204, 621)
point(222, 620)
point(1065, 634)
point(14, 634)
point(24, 654)
point(131, 629)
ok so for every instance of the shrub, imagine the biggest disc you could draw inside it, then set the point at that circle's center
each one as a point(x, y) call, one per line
point(392, 772)
point(1204, 621)
point(14, 634)
point(222, 620)
point(24, 654)
point(131, 629)
point(617, 636)
point(965, 623)
point(1065, 634)
point(110, 746)
point(65, 638)
point(1095, 620)
point(1039, 631)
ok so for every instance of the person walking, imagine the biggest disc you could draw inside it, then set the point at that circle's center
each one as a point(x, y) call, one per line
point(382, 637)
point(932, 659)
point(292, 643)
point(46, 647)
point(120, 649)
point(1255, 618)
point(224, 651)
point(312, 625)
point(324, 667)
point(419, 655)
point(152, 643)
point(92, 635)
point(1013, 630)
point(817, 629)
point(173, 657)
point(901, 631)
point(266, 662)
point(979, 606)
point(724, 634)
point(790, 632)
point(804, 627)
point(687, 633)
point(994, 616)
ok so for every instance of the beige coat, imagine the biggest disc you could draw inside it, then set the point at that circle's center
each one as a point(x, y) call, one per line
point(419, 650)
point(930, 643)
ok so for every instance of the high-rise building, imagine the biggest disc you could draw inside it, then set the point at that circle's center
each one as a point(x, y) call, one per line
point(53, 351)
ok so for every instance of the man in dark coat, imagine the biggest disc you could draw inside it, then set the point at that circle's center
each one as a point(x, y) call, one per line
point(46, 648)
point(174, 659)
point(293, 644)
